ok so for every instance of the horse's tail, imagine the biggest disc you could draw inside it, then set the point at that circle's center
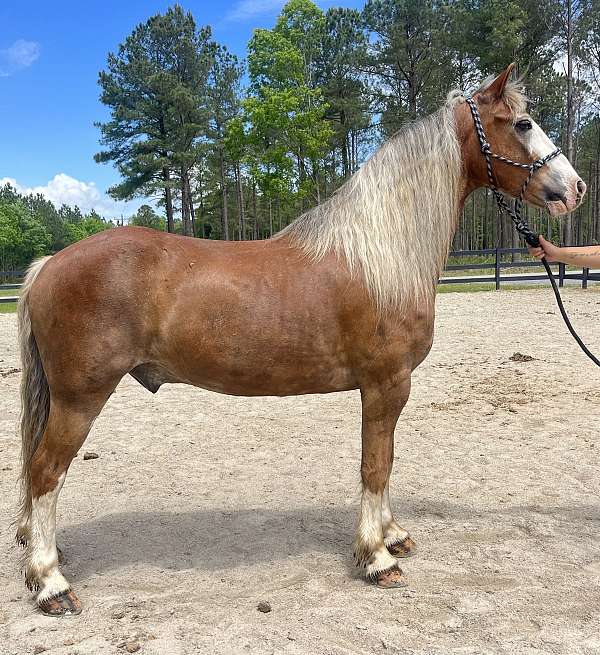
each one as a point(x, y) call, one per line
point(35, 396)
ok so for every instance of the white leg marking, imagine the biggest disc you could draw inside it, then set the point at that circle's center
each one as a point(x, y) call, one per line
point(392, 532)
point(42, 559)
point(369, 548)
point(54, 583)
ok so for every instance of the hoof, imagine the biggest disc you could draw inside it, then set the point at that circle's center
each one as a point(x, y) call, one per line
point(390, 579)
point(64, 604)
point(405, 548)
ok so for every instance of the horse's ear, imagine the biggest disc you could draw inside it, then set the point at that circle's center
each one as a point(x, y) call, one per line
point(496, 88)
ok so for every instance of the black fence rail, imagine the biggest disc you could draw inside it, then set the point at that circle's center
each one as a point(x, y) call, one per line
point(496, 263)
point(11, 275)
point(10, 280)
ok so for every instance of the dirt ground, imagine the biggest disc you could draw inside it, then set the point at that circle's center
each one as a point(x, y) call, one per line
point(200, 506)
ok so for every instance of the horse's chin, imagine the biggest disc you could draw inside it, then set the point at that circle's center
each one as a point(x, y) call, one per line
point(557, 207)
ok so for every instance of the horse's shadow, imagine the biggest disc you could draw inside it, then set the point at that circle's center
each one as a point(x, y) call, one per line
point(212, 539)
point(204, 539)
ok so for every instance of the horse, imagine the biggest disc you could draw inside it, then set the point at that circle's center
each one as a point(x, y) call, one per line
point(341, 299)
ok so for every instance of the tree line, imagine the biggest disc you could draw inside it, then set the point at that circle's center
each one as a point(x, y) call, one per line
point(235, 149)
point(31, 226)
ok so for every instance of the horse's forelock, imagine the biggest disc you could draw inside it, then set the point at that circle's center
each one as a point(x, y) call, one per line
point(513, 95)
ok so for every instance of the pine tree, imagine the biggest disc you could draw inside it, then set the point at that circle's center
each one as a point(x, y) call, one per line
point(155, 89)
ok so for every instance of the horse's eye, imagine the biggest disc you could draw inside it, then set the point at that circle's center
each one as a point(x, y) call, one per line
point(523, 125)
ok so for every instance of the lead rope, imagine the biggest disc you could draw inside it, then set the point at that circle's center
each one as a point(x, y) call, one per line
point(515, 212)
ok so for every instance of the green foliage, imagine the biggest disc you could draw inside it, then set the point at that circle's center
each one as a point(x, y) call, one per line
point(155, 89)
point(22, 237)
point(147, 217)
point(273, 62)
point(323, 89)
point(409, 35)
point(343, 46)
point(282, 130)
point(86, 227)
point(30, 226)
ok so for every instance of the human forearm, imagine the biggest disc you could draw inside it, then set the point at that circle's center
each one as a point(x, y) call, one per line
point(584, 256)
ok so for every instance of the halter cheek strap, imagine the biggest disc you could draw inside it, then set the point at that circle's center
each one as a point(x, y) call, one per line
point(515, 211)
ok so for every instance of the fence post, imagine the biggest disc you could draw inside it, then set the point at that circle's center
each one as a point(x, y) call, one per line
point(497, 269)
point(584, 278)
point(561, 274)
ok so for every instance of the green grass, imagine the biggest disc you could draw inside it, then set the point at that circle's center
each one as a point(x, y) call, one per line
point(9, 292)
point(472, 287)
point(464, 261)
point(487, 271)
point(8, 307)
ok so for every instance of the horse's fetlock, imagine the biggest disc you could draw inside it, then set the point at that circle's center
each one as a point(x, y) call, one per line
point(23, 535)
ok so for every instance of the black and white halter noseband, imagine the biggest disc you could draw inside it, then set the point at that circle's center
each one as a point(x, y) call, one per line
point(514, 212)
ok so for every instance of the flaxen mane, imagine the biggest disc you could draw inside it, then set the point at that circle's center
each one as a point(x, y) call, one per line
point(393, 221)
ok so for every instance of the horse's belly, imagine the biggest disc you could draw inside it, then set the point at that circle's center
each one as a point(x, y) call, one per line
point(268, 376)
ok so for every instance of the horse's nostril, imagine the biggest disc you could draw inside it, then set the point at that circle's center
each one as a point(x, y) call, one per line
point(581, 187)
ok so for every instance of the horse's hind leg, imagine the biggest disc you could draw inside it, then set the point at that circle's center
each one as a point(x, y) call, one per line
point(68, 425)
point(381, 406)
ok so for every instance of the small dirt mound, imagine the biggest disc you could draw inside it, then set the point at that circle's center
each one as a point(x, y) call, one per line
point(519, 357)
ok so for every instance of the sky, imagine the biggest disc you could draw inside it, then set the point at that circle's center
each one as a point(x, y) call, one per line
point(50, 56)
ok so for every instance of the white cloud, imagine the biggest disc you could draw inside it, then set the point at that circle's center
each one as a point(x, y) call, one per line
point(247, 9)
point(21, 54)
point(63, 189)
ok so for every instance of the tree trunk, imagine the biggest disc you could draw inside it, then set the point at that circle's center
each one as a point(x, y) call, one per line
point(596, 196)
point(316, 180)
point(200, 188)
point(185, 206)
point(168, 202)
point(345, 167)
point(240, 194)
point(224, 216)
point(191, 204)
point(301, 176)
point(278, 213)
point(255, 211)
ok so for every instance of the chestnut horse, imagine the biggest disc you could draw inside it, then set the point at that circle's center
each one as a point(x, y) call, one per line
point(341, 299)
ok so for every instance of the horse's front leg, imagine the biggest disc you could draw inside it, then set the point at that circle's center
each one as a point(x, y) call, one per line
point(397, 540)
point(382, 403)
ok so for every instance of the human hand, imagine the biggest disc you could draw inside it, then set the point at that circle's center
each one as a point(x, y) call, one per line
point(546, 249)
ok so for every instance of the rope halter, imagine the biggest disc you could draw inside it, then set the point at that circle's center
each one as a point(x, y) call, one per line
point(515, 211)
